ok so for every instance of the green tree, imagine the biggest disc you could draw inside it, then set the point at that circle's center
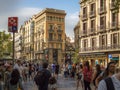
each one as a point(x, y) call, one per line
point(5, 44)
point(76, 56)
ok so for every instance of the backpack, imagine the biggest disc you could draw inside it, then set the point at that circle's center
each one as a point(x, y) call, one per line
point(52, 80)
point(40, 78)
point(109, 83)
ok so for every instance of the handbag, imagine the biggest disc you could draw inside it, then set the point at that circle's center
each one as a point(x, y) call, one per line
point(19, 89)
point(52, 80)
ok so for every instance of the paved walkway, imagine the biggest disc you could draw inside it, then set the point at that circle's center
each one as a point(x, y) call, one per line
point(62, 84)
point(66, 84)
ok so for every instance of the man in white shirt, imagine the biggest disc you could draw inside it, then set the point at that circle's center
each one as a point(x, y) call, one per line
point(115, 80)
point(18, 67)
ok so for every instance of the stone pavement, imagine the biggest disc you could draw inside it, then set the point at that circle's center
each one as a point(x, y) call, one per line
point(66, 84)
point(62, 84)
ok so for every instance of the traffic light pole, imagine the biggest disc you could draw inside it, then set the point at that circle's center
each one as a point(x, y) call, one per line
point(12, 27)
point(13, 47)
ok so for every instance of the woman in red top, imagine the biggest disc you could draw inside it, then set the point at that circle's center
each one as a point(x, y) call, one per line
point(87, 73)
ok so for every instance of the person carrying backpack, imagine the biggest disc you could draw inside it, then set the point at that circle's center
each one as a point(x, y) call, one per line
point(110, 83)
point(108, 72)
point(42, 77)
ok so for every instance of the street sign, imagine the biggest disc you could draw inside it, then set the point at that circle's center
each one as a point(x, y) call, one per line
point(12, 24)
point(110, 56)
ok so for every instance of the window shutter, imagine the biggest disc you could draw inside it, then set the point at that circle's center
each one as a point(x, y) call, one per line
point(91, 42)
point(111, 39)
point(118, 39)
point(87, 43)
point(100, 41)
point(106, 40)
point(116, 16)
point(105, 22)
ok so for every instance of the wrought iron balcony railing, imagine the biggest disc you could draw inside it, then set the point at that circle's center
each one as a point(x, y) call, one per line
point(102, 10)
point(84, 17)
point(101, 48)
point(59, 31)
point(112, 5)
point(101, 28)
point(114, 24)
point(51, 31)
point(92, 13)
point(84, 32)
point(59, 40)
point(92, 30)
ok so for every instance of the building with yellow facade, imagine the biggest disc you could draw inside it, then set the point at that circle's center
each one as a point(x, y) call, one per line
point(99, 31)
point(49, 35)
point(43, 36)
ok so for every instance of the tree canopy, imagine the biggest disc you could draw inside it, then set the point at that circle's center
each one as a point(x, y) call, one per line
point(5, 44)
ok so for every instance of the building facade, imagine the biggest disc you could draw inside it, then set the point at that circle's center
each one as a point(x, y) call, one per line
point(17, 46)
point(99, 31)
point(76, 34)
point(26, 33)
point(49, 35)
point(43, 36)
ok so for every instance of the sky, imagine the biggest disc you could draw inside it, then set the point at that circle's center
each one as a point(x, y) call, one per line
point(24, 9)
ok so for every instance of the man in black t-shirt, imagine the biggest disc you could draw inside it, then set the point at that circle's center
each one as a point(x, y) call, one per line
point(46, 76)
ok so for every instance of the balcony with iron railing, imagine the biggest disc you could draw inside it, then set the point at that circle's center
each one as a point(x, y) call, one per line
point(59, 31)
point(92, 13)
point(112, 5)
point(51, 31)
point(27, 50)
point(104, 48)
point(84, 17)
point(60, 40)
point(113, 24)
point(102, 10)
point(92, 30)
point(51, 40)
point(84, 32)
point(102, 28)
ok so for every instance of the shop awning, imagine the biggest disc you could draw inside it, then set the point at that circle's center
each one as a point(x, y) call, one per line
point(115, 58)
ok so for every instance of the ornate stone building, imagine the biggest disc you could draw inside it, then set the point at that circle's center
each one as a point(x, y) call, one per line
point(43, 36)
point(49, 38)
point(99, 31)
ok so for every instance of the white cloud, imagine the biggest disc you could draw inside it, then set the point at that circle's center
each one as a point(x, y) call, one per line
point(25, 13)
point(71, 21)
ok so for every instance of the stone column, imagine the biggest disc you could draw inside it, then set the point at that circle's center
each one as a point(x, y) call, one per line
point(50, 55)
point(119, 61)
point(59, 56)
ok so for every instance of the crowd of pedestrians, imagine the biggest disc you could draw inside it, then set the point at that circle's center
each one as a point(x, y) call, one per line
point(12, 76)
point(93, 78)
